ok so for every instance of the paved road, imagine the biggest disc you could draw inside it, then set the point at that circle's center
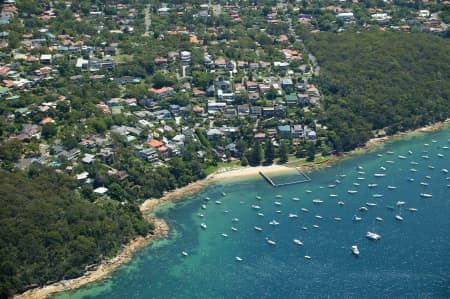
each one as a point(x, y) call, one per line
point(147, 20)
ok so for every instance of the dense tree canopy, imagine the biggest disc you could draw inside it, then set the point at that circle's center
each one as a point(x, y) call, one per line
point(380, 80)
point(48, 232)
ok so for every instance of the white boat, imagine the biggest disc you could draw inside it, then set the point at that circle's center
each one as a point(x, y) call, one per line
point(337, 218)
point(440, 155)
point(274, 222)
point(239, 259)
point(373, 236)
point(225, 235)
point(371, 204)
point(331, 186)
point(389, 152)
point(333, 195)
point(363, 209)
point(257, 228)
point(356, 184)
point(379, 219)
point(414, 163)
point(316, 200)
point(382, 168)
point(352, 191)
point(401, 157)
point(428, 177)
point(278, 196)
point(430, 166)
point(341, 203)
point(203, 225)
point(235, 219)
point(360, 167)
point(372, 185)
point(298, 242)
point(318, 217)
point(356, 218)
point(413, 209)
point(379, 155)
point(413, 170)
point(379, 174)
point(410, 152)
point(355, 250)
point(308, 191)
point(234, 229)
point(277, 203)
point(304, 210)
point(278, 211)
point(424, 184)
point(400, 203)
point(360, 178)
point(390, 162)
point(207, 198)
point(261, 214)
point(445, 147)
point(200, 214)
point(258, 197)
point(218, 202)
point(398, 217)
point(315, 226)
point(425, 157)
point(204, 207)
point(256, 207)
point(391, 187)
point(223, 193)
point(295, 198)
point(304, 228)
point(444, 170)
point(426, 195)
point(184, 253)
point(376, 195)
point(292, 215)
point(307, 257)
point(270, 242)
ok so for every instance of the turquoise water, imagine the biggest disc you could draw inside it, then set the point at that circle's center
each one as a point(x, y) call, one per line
point(411, 260)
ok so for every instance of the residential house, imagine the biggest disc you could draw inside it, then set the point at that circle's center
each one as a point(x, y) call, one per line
point(284, 131)
point(161, 92)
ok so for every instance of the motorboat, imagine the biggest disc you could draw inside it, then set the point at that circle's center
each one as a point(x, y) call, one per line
point(337, 218)
point(355, 250)
point(307, 257)
point(426, 195)
point(207, 198)
point(278, 196)
point(356, 184)
point(184, 253)
point(401, 157)
point(352, 191)
point(413, 209)
point(235, 219)
point(258, 197)
point(234, 229)
point(204, 207)
point(430, 166)
point(277, 203)
point(391, 187)
point(373, 236)
point(304, 210)
point(318, 217)
point(224, 235)
point(291, 215)
point(239, 259)
point(316, 200)
point(356, 218)
point(274, 222)
point(260, 214)
point(256, 207)
point(400, 203)
point(203, 225)
point(304, 228)
point(257, 228)
point(331, 186)
point(377, 195)
point(341, 203)
point(444, 170)
point(370, 204)
point(398, 217)
point(295, 198)
point(218, 202)
point(271, 242)
point(333, 195)
point(315, 226)
point(372, 185)
point(200, 214)
point(298, 242)
point(379, 219)
point(379, 174)
point(363, 209)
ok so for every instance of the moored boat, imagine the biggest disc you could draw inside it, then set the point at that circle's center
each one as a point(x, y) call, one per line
point(298, 242)
point(373, 236)
point(355, 250)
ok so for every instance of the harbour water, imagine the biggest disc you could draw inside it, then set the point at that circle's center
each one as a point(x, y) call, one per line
point(411, 260)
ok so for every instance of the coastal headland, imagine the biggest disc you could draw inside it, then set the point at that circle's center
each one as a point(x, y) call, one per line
point(105, 268)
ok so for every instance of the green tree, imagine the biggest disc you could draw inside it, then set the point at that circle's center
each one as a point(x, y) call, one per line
point(269, 152)
point(283, 152)
point(255, 154)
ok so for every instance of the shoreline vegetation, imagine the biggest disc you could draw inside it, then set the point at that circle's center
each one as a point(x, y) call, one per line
point(107, 267)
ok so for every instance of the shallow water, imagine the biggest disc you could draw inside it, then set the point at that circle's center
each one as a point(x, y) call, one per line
point(411, 260)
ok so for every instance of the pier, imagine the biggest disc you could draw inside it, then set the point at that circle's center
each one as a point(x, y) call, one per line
point(305, 179)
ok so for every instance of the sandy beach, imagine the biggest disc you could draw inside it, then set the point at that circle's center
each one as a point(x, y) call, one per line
point(161, 228)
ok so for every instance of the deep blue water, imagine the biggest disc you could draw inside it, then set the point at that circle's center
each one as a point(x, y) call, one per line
point(411, 260)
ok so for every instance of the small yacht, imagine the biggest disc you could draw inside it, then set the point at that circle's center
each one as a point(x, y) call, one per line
point(235, 219)
point(426, 195)
point(360, 178)
point(424, 184)
point(390, 162)
point(382, 168)
point(307, 257)
point(428, 177)
point(356, 184)
point(315, 226)
point(372, 185)
point(278, 211)
point(440, 155)
point(379, 155)
point(410, 152)
point(379, 219)
point(218, 202)
point(278, 196)
point(308, 191)
point(258, 197)
point(274, 222)
point(298, 242)
point(377, 195)
point(224, 235)
point(352, 191)
point(304, 228)
point(256, 207)
point(430, 166)
point(363, 209)
point(333, 195)
point(331, 186)
point(270, 242)
point(355, 250)
point(304, 210)
point(292, 215)
point(207, 198)
point(389, 152)
point(391, 187)
point(373, 236)
point(337, 218)
point(341, 203)
point(223, 193)
point(318, 217)
point(400, 203)
point(204, 207)
point(414, 163)
point(316, 200)
point(444, 170)
point(184, 253)
point(425, 157)
point(200, 214)
point(361, 172)
point(356, 218)
point(234, 229)
point(370, 204)
point(413, 170)
point(257, 228)
point(295, 198)
point(379, 174)
point(401, 157)
point(398, 217)
point(413, 209)
point(277, 203)
point(260, 214)
point(203, 225)
point(239, 259)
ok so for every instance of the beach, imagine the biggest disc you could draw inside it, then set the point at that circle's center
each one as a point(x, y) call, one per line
point(161, 228)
